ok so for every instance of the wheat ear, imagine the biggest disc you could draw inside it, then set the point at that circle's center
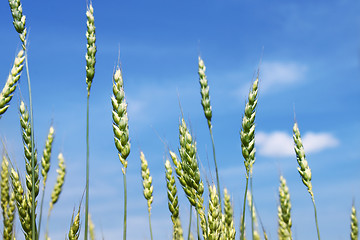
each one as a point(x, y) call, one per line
point(214, 215)
point(205, 102)
point(147, 186)
point(74, 231)
point(18, 20)
point(194, 187)
point(229, 217)
point(22, 203)
point(284, 211)
point(247, 136)
point(90, 47)
point(28, 151)
point(7, 200)
point(173, 201)
point(354, 234)
point(121, 130)
point(90, 72)
point(31, 165)
point(59, 181)
point(45, 160)
point(45, 167)
point(304, 169)
point(91, 229)
point(10, 85)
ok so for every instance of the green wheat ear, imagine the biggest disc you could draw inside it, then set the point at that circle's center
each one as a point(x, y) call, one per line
point(205, 96)
point(7, 200)
point(304, 169)
point(284, 211)
point(18, 20)
point(229, 217)
point(90, 47)
point(10, 85)
point(354, 235)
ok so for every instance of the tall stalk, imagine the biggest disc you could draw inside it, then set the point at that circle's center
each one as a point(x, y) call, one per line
point(205, 102)
point(90, 72)
point(87, 171)
point(247, 136)
point(304, 169)
point(121, 130)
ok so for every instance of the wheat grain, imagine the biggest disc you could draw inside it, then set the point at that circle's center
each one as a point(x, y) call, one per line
point(10, 85)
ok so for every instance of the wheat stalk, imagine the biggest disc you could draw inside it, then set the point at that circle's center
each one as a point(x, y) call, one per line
point(121, 130)
point(10, 85)
point(90, 72)
point(45, 167)
point(205, 102)
point(247, 136)
point(304, 169)
point(354, 226)
point(284, 211)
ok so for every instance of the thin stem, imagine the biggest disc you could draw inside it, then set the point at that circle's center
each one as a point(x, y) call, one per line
point(125, 205)
point(316, 220)
point(197, 223)
point(252, 207)
point(216, 168)
point(87, 170)
point(150, 225)
point(41, 208)
point(33, 223)
point(189, 231)
point(242, 227)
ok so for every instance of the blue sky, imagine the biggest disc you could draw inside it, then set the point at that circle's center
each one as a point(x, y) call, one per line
point(310, 63)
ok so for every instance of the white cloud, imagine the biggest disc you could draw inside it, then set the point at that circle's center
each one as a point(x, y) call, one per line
point(276, 74)
point(280, 144)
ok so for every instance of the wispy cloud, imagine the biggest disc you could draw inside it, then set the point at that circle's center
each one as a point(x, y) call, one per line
point(280, 144)
point(278, 74)
point(274, 75)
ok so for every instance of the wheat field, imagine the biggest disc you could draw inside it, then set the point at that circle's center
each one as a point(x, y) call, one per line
point(166, 137)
